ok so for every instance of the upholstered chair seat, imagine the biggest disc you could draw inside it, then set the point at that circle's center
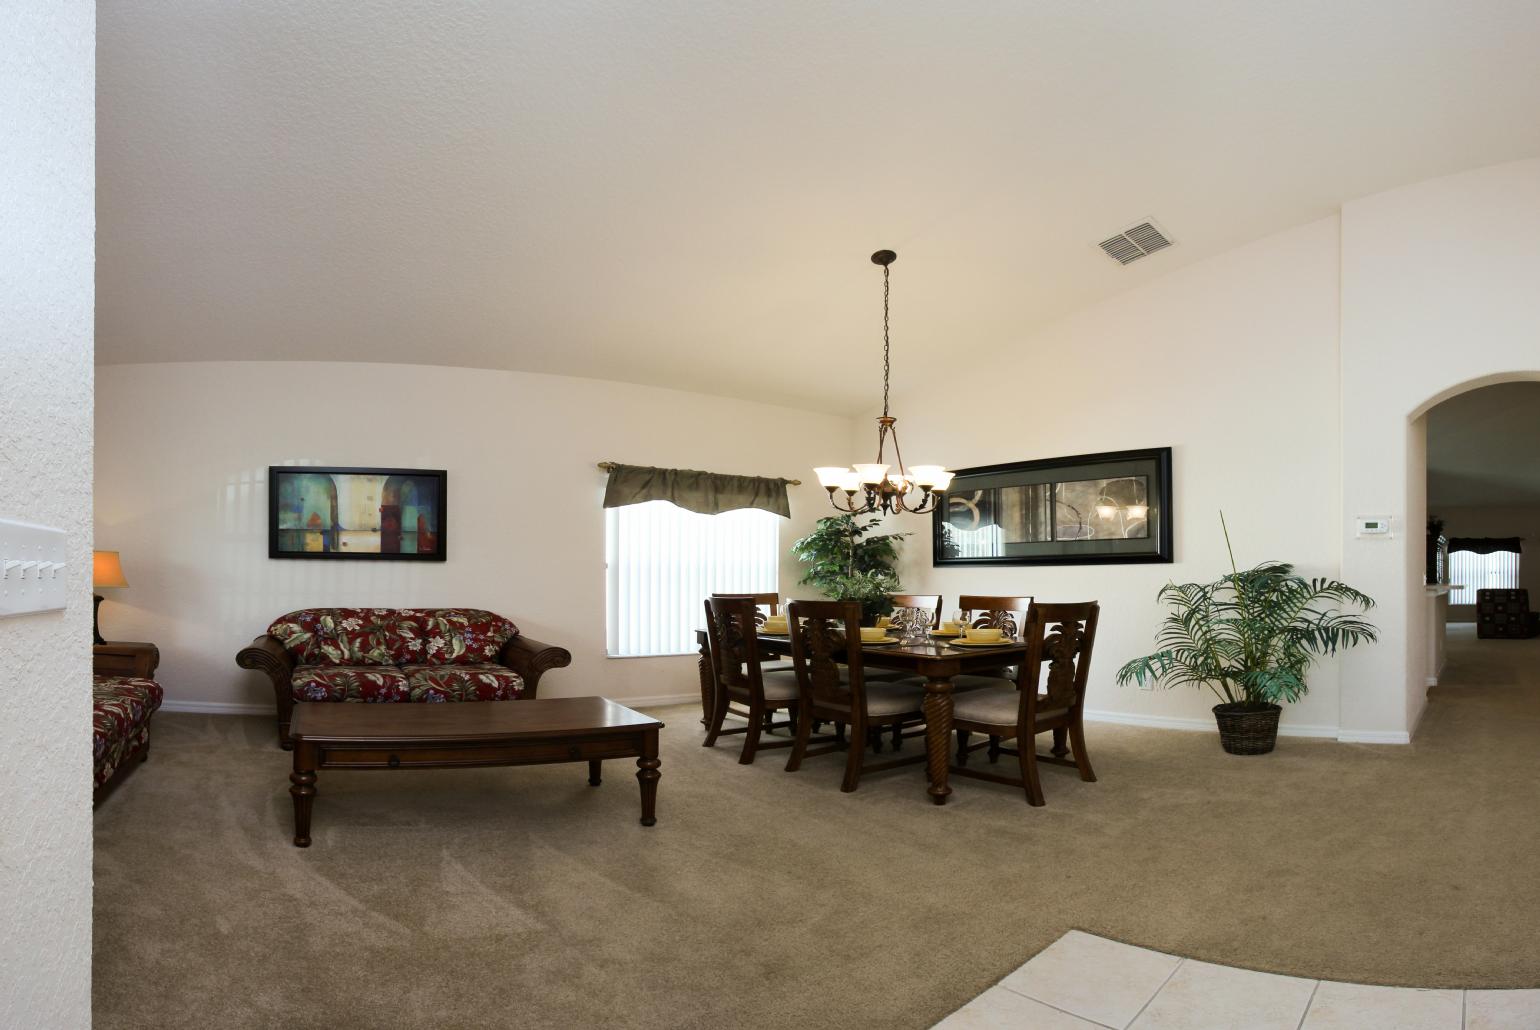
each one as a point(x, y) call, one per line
point(900, 698)
point(971, 681)
point(997, 705)
point(780, 684)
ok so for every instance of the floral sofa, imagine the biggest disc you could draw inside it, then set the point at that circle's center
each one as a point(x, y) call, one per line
point(396, 655)
point(123, 698)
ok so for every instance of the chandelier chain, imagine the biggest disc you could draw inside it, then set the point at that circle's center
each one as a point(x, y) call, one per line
point(885, 339)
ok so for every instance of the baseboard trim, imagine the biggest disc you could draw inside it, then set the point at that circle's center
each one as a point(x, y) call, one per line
point(1374, 737)
point(658, 700)
point(1173, 722)
point(216, 707)
point(1161, 722)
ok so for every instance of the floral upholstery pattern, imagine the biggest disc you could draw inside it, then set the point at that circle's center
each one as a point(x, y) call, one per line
point(392, 636)
point(120, 720)
point(457, 636)
point(349, 683)
point(463, 682)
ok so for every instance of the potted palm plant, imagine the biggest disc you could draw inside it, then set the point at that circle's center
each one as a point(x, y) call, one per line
point(1251, 637)
point(845, 560)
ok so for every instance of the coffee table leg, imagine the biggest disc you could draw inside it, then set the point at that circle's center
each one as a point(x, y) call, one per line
point(593, 771)
point(647, 773)
point(938, 732)
point(302, 788)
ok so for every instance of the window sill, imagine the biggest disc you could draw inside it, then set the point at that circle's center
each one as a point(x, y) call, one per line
point(665, 654)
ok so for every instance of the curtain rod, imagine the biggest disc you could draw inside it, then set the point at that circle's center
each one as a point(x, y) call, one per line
point(610, 466)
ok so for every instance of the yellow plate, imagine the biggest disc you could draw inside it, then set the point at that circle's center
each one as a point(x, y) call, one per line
point(884, 640)
point(982, 643)
point(943, 634)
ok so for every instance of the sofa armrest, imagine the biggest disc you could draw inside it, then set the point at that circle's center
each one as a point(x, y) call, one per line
point(125, 658)
point(530, 659)
point(266, 654)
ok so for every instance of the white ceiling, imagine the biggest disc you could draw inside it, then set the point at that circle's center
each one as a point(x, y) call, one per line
point(1484, 448)
point(686, 194)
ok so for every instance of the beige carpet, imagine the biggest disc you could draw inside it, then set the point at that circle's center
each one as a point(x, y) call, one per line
point(525, 898)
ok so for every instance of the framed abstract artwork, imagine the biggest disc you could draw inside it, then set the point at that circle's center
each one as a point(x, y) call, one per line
point(359, 513)
point(1089, 509)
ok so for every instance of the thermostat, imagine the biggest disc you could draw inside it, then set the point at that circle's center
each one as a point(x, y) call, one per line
point(1374, 525)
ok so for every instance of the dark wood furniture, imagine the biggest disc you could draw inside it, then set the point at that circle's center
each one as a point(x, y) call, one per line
point(1063, 636)
point(938, 663)
point(1504, 613)
point(125, 658)
point(1006, 613)
point(738, 675)
point(770, 602)
point(136, 659)
point(920, 603)
point(448, 736)
point(832, 685)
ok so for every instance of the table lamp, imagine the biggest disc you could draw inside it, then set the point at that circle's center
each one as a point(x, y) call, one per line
point(106, 573)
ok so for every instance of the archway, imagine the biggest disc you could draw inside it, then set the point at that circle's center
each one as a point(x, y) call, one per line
point(1426, 604)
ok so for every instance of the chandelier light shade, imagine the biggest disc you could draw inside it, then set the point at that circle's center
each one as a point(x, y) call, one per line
point(883, 486)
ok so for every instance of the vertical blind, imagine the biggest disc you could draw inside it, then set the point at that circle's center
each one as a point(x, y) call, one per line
point(663, 562)
point(1472, 571)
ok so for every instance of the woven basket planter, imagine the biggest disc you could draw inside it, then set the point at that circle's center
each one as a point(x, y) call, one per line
point(1246, 728)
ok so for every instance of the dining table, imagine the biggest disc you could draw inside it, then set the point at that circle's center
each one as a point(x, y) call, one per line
point(937, 661)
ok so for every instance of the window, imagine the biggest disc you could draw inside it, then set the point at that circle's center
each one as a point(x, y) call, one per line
point(1472, 571)
point(664, 561)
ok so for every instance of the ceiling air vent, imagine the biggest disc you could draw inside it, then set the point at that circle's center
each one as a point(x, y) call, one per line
point(1134, 243)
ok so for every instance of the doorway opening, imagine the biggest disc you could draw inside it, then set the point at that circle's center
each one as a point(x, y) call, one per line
point(1483, 513)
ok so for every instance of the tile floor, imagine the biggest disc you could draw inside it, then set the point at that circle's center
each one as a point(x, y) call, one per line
point(1090, 983)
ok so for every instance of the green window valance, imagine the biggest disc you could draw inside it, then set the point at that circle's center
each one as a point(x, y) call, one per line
point(709, 493)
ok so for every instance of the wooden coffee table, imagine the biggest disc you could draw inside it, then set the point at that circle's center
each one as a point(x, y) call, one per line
point(457, 735)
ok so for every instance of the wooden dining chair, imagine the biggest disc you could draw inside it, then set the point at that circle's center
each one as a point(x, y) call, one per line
point(1062, 636)
point(765, 604)
point(739, 677)
point(986, 611)
point(832, 686)
point(925, 607)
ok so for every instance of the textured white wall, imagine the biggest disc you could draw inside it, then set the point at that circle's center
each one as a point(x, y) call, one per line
point(1438, 296)
point(184, 450)
point(47, 218)
point(1233, 363)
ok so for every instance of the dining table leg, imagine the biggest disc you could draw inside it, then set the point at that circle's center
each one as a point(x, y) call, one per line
point(707, 685)
point(938, 735)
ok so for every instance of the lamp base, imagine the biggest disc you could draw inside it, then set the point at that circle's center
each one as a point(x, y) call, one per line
point(96, 607)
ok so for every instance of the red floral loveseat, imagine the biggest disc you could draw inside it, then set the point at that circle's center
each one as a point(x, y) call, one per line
point(397, 655)
point(123, 698)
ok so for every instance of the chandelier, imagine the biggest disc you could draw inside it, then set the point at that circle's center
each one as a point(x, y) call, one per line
point(871, 488)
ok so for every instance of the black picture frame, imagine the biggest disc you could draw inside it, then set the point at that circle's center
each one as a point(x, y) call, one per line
point(1062, 511)
point(430, 532)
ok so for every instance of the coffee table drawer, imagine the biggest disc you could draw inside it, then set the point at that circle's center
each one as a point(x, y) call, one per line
point(511, 753)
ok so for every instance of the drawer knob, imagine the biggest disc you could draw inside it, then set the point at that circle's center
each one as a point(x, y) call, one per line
point(574, 751)
point(394, 761)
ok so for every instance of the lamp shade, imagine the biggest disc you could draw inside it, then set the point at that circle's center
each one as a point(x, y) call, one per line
point(106, 570)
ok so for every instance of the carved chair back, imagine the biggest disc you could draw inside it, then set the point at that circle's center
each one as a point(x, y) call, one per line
point(769, 602)
point(1059, 639)
point(922, 608)
point(819, 631)
point(985, 611)
point(731, 635)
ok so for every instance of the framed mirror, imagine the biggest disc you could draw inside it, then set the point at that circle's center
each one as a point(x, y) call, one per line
point(1089, 509)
